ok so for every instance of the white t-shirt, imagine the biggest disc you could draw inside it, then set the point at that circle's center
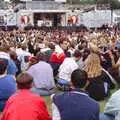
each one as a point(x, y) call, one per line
point(66, 68)
point(21, 54)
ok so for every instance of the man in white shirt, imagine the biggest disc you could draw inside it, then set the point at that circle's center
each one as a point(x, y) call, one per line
point(67, 67)
point(23, 56)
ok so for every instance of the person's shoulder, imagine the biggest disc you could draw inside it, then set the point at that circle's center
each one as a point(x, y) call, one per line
point(67, 60)
point(37, 98)
point(43, 63)
point(12, 98)
point(8, 77)
point(11, 77)
point(32, 67)
point(93, 101)
point(27, 94)
point(55, 95)
point(59, 95)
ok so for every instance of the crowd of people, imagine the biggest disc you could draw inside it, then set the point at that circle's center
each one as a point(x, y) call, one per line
point(83, 64)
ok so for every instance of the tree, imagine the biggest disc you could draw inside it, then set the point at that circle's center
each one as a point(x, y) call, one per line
point(15, 1)
point(103, 1)
point(115, 4)
point(73, 1)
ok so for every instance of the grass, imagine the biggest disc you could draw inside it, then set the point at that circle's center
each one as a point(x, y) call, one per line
point(103, 103)
point(48, 103)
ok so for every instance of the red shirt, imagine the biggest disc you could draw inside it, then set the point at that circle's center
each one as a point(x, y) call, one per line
point(25, 105)
point(57, 58)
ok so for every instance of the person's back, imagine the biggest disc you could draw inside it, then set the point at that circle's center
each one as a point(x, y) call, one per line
point(25, 105)
point(75, 104)
point(42, 74)
point(7, 84)
point(68, 66)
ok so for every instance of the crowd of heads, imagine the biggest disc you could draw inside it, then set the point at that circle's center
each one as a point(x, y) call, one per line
point(42, 60)
point(99, 42)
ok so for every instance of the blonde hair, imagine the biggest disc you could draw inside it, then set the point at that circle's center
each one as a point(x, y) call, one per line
point(92, 65)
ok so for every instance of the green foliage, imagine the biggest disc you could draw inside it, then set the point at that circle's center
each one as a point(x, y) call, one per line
point(115, 4)
point(103, 1)
point(15, 1)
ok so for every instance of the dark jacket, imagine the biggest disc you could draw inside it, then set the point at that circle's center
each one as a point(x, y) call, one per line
point(76, 105)
point(99, 87)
